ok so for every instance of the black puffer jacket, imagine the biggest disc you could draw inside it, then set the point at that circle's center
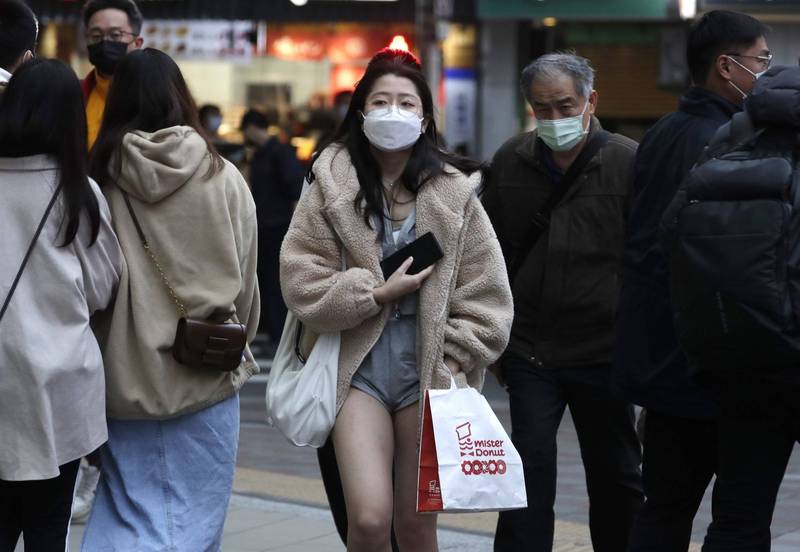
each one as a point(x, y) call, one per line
point(650, 369)
point(775, 99)
point(767, 133)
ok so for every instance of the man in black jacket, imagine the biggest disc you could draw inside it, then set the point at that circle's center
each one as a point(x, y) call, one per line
point(276, 179)
point(557, 197)
point(726, 53)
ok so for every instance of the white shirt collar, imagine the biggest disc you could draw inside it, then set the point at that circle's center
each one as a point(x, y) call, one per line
point(5, 76)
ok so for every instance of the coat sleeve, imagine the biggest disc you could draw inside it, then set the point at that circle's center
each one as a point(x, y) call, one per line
point(101, 261)
point(245, 227)
point(481, 307)
point(315, 288)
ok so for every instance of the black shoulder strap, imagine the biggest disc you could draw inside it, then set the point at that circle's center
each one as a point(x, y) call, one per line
point(30, 250)
point(541, 219)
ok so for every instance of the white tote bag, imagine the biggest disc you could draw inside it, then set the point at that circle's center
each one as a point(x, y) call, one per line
point(466, 460)
point(301, 397)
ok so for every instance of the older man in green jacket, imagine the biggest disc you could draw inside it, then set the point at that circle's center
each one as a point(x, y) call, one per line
point(558, 198)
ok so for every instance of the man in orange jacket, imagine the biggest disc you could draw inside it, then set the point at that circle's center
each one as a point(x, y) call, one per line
point(113, 29)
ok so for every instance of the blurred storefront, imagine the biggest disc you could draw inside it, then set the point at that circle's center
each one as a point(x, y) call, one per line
point(284, 58)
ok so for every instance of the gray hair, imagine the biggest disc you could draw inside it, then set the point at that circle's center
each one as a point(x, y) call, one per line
point(550, 66)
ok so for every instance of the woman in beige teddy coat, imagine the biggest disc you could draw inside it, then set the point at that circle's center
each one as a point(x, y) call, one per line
point(380, 185)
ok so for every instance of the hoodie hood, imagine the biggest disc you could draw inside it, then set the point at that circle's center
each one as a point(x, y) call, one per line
point(775, 98)
point(156, 164)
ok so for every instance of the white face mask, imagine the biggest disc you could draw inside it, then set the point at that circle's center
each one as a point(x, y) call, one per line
point(562, 134)
point(392, 129)
point(756, 76)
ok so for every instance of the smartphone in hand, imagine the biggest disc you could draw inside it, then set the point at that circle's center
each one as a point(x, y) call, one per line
point(425, 250)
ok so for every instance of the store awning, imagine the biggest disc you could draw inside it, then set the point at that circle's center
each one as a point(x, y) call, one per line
point(617, 10)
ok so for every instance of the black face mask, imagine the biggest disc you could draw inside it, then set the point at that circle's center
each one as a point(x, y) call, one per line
point(106, 55)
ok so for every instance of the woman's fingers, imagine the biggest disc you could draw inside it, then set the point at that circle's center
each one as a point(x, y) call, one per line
point(422, 276)
point(403, 269)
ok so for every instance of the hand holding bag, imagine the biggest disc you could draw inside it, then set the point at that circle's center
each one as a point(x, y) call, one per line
point(466, 460)
point(200, 344)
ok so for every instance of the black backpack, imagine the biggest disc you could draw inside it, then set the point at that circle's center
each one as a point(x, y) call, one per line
point(732, 234)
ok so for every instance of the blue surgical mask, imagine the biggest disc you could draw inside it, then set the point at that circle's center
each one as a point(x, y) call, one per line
point(214, 122)
point(562, 134)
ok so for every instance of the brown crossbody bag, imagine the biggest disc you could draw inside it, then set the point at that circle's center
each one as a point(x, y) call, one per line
point(201, 344)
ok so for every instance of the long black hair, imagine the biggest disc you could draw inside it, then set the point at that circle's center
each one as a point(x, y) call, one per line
point(149, 94)
point(42, 112)
point(427, 159)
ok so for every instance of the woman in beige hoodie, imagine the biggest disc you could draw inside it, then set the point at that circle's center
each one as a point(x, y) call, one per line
point(173, 430)
point(380, 185)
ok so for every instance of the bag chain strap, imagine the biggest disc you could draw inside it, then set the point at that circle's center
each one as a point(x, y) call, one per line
point(174, 296)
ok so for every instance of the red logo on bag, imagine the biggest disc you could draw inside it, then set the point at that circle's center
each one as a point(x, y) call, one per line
point(477, 467)
point(478, 447)
point(464, 432)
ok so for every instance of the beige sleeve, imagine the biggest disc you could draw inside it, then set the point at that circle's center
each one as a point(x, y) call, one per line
point(481, 306)
point(101, 261)
point(314, 287)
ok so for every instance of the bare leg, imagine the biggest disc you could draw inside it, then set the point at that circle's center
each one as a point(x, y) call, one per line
point(363, 440)
point(415, 532)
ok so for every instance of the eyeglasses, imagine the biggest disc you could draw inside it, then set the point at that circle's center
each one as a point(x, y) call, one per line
point(114, 35)
point(765, 61)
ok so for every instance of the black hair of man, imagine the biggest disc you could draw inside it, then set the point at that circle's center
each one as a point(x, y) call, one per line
point(719, 32)
point(18, 32)
point(135, 18)
point(256, 118)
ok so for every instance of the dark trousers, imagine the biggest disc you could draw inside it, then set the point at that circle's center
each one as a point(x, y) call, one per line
point(38, 510)
point(333, 489)
point(609, 448)
point(273, 309)
point(680, 457)
point(759, 426)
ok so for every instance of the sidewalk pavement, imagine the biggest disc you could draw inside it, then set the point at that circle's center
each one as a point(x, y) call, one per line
point(276, 512)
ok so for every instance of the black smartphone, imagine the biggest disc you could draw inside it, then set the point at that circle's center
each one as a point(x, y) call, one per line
point(425, 250)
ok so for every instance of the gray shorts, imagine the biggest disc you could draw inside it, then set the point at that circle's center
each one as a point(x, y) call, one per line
point(393, 391)
point(389, 373)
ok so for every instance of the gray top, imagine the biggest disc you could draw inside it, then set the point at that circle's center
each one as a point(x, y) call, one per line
point(397, 345)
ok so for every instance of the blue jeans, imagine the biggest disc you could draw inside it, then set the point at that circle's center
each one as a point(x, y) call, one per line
point(165, 484)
